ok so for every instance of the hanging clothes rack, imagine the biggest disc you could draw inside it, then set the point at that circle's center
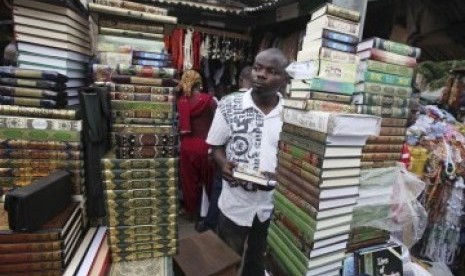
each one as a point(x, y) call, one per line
point(216, 32)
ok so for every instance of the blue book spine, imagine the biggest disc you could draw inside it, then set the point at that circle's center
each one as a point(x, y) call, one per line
point(345, 38)
point(338, 46)
point(149, 55)
point(155, 63)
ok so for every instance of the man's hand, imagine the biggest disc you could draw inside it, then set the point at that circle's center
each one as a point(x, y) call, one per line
point(227, 171)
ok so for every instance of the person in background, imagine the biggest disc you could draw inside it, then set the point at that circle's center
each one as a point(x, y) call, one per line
point(245, 133)
point(211, 220)
point(196, 111)
point(245, 79)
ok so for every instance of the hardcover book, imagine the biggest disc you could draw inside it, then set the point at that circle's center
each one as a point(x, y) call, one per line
point(324, 53)
point(376, 99)
point(323, 85)
point(324, 69)
point(328, 43)
point(371, 76)
point(333, 23)
point(388, 57)
point(337, 11)
point(390, 46)
point(386, 68)
point(384, 89)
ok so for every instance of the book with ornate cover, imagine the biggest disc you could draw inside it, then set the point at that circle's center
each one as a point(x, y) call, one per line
point(285, 242)
point(52, 34)
point(324, 138)
point(138, 129)
point(146, 152)
point(157, 230)
point(386, 140)
point(12, 91)
point(129, 221)
point(131, 25)
point(112, 59)
point(333, 23)
point(140, 193)
point(53, 230)
point(381, 156)
point(316, 160)
point(45, 145)
point(390, 46)
point(129, 88)
point(141, 97)
point(40, 135)
point(40, 154)
point(388, 112)
point(110, 161)
point(33, 83)
point(393, 122)
point(321, 149)
point(328, 43)
point(323, 86)
point(320, 96)
point(378, 164)
point(143, 211)
point(142, 255)
point(160, 235)
point(128, 33)
point(151, 56)
point(127, 204)
point(133, 174)
point(332, 35)
point(388, 57)
point(384, 89)
point(323, 53)
point(40, 123)
point(317, 105)
point(371, 76)
point(137, 140)
point(147, 183)
point(51, 42)
point(142, 114)
point(327, 70)
point(147, 246)
point(109, 43)
point(155, 106)
point(12, 72)
point(382, 100)
point(382, 148)
point(28, 172)
point(333, 123)
point(33, 102)
point(41, 164)
point(392, 131)
point(336, 11)
point(386, 68)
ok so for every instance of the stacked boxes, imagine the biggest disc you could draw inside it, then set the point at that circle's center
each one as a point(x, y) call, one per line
point(141, 171)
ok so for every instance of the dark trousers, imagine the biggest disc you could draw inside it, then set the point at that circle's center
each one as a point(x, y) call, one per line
point(211, 220)
point(235, 236)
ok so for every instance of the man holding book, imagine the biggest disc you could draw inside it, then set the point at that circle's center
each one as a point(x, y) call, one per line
point(244, 134)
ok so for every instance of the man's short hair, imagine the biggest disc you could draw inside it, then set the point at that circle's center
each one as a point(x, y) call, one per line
point(278, 55)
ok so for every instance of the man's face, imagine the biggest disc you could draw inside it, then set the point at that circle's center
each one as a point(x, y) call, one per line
point(267, 74)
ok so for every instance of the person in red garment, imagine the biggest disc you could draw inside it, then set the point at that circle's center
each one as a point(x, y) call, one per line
point(196, 112)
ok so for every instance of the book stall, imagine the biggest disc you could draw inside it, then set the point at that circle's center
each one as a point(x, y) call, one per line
point(370, 173)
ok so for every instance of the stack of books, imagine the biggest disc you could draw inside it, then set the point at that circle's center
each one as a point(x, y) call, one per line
point(382, 259)
point(53, 37)
point(385, 74)
point(374, 207)
point(140, 172)
point(326, 69)
point(48, 250)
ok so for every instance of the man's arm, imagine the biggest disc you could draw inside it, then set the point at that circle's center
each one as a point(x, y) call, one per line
point(219, 155)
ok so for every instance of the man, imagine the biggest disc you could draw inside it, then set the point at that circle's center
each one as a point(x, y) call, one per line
point(245, 132)
point(245, 79)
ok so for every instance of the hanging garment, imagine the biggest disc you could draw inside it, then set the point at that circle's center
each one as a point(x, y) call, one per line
point(187, 50)
point(95, 108)
point(196, 45)
point(176, 47)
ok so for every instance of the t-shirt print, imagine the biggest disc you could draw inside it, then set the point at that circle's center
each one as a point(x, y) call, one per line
point(246, 132)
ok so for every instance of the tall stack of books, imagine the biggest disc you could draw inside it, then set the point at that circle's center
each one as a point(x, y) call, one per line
point(48, 250)
point(386, 73)
point(140, 172)
point(36, 140)
point(320, 149)
point(55, 38)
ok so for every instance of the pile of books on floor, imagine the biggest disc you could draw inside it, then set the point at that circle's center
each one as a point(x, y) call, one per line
point(35, 140)
point(385, 74)
point(47, 251)
point(55, 38)
point(140, 172)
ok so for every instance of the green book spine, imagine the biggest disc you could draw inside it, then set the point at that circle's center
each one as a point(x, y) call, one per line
point(296, 241)
point(383, 89)
point(147, 183)
point(301, 142)
point(388, 112)
point(39, 164)
point(39, 112)
point(291, 207)
point(284, 254)
point(155, 163)
point(141, 202)
point(154, 106)
point(382, 100)
point(305, 132)
point(139, 174)
point(114, 239)
point(143, 255)
point(155, 230)
point(40, 135)
point(387, 79)
point(137, 247)
point(41, 124)
point(305, 229)
point(298, 258)
point(297, 200)
point(331, 86)
point(140, 220)
point(300, 153)
point(141, 193)
point(387, 68)
point(143, 211)
point(395, 47)
point(293, 168)
point(139, 129)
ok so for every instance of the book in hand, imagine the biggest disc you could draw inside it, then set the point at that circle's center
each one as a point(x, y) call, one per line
point(256, 177)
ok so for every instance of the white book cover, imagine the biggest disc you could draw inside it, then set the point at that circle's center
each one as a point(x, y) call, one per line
point(334, 123)
point(51, 61)
point(333, 23)
point(52, 52)
point(86, 264)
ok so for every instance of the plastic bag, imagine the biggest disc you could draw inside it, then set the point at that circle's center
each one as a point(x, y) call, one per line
point(388, 201)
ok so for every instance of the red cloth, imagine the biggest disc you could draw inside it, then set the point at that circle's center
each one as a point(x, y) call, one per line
point(196, 43)
point(195, 117)
point(176, 44)
point(196, 114)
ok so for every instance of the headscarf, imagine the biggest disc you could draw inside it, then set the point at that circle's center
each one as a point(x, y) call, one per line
point(188, 80)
